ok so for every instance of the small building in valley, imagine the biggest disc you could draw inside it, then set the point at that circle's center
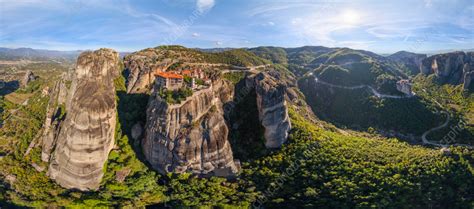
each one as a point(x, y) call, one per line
point(168, 80)
point(404, 86)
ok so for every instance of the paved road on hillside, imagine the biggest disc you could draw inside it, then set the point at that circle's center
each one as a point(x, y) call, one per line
point(374, 92)
point(444, 125)
point(423, 137)
point(425, 134)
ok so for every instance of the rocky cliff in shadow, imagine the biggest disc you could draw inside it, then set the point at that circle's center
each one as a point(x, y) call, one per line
point(27, 78)
point(411, 61)
point(271, 91)
point(86, 136)
point(54, 116)
point(190, 136)
point(451, 68)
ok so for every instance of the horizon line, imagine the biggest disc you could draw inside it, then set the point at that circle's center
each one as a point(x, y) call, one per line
point(220, 47)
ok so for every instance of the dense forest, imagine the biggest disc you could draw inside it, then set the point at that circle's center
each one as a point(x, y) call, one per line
point(316, 168)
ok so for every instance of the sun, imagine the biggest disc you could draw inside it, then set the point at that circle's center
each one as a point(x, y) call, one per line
point(350, 17)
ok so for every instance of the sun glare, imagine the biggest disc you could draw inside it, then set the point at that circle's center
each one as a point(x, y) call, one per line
point(350, 17)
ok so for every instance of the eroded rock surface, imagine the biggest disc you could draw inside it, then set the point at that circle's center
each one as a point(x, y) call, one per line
point(272, 94)
point(27, 78)
point(404, 86)
point(53, 118)
point(469, 76)
point(141, 67)
point(87, 134)
point(191, 136)
point(137, 131)
point(453, 68)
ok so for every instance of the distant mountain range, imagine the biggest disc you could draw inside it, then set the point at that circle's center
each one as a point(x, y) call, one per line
point(429, 53)
point(40, 54)
point(36, 54)
point(45, 54)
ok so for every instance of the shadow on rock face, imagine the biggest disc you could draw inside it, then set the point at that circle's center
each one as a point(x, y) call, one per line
point(8, 87)
point(132, 111)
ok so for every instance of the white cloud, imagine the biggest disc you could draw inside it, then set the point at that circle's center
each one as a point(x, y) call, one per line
point(295, 21)
point(156, 17)
point(196, 34)
point(204, 5)
point(218, 43)
point(271, 23)
point(428, 3)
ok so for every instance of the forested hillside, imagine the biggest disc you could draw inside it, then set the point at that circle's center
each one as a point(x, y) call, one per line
point(320, 166)
point(317, 168)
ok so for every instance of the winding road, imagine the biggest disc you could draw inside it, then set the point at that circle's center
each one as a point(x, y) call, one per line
point(380, 95)
point(446, 123)
point(375, 92)
point(423, 137)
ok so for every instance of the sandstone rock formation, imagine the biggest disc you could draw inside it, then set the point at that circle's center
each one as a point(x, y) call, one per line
point(141, 67)
point(27, 78)
point(58, 100)
point(87, 134)
point(468, 75)
point(52, 121)
point(453, 68)
point(137, 131)
point(404, 86)
point(272, 106)
point(191, 136)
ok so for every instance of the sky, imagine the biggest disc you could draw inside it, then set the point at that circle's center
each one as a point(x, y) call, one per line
point(130, 25)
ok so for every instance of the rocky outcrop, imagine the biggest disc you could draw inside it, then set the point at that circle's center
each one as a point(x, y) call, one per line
point(452, 68)
point(411, 61)
point(141, 67)
point(27, 78)
point(272, 94)
point(58, 100)
point(468, 76)
point(52, 122)
point(87, 134)
point(137, 131)
point(190, 136)
point(404, 86)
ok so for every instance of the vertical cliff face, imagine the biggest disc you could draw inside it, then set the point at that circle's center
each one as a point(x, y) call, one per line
point(404, 86)
point(53, 118)
point(87, 134)
point(453, 68)
point(191, 136)
point(141, 66)
point(140, 74)
point(27, 78)
point(272, 107)
point(468, 71)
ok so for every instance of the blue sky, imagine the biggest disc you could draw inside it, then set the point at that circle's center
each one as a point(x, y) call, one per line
point(126, 25)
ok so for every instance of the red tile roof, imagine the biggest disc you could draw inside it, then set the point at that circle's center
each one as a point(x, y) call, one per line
point(168, 75)
point(187, 72)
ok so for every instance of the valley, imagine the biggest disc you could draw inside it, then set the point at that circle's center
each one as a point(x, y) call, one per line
point(268, 104)
point(262, 127)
